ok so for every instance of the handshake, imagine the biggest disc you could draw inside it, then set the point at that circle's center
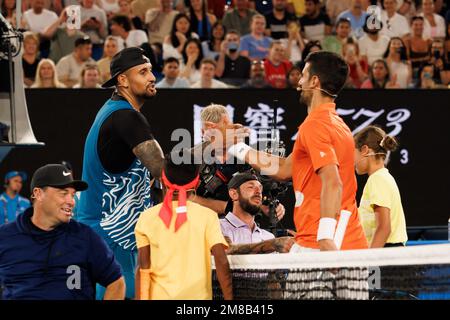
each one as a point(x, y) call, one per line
point(227, 138)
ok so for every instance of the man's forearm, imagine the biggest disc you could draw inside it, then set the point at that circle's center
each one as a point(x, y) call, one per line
point(116, 290)
point(267, 246)
point(272, 166)
point(330, 204)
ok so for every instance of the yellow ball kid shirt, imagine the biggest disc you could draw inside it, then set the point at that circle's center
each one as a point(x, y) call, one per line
point(180, 262)
point(382, 190)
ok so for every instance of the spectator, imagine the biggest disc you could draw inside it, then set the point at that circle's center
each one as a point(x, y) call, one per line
point(257, 76)
point(261, 6)
point(174, 43)
point(140, 7)
point(315, 24)
point(37, 19)
point(239, 18)
point(125, 10)
point(418, 48)
point(312, 46)
point(11, 202)
point(296, 7)
point(294, 44)
point(8, 10)
point(434, 26)
point(358, 68)
point(277, 19)
point(30, 57)
point(335, 43)
point(159, 21)
point(217, 8)
point(447, 43)
point(232, 68)
point(192, 57)
point(335, 7)
point(55, 257)
point(121, 29)
point(357, 17)
point(111, 7)
point(94, 24)
point(407, 8)
point(211, 47)
point(399, 66)
point(201, 20)
point(171, 73)
point(62, 39)
point(239, 227)
point(69, 67)
point(109, 50)
point(207, 72)
point(293, 77)
point(426, 78)
point(441, 67)
point(90, 77)
point(46, 75)
point(394, 24)
point(256, 45)
point(276, 66)
point(379, 77)
point(372, 45)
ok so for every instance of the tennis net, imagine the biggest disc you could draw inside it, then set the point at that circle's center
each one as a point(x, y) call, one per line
point(420, 272)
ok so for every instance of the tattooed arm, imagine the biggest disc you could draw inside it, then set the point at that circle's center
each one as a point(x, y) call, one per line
point(281, 245)
point(151, 156)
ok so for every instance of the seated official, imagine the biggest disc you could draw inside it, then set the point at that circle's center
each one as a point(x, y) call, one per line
point(239, 227)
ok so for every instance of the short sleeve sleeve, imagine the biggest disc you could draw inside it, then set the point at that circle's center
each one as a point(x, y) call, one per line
point(139, 231)
point(380, 194)
point(213, 232)
point(317, 142)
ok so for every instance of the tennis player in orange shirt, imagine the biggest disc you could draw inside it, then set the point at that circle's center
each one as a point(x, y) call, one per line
point(321, 164)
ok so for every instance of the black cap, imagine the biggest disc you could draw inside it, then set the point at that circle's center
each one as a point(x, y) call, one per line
point(57, 176)
point(240, 178)
point(124, 60)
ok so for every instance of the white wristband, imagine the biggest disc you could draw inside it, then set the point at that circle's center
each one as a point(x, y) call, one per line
point(239, 150)
point(326, 229)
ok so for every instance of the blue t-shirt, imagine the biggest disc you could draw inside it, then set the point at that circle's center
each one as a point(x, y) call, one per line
point(257, 48)
point(10, 208)
point(357, 23)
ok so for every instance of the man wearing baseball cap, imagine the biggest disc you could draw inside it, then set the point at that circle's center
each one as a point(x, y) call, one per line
point(239, 226)
point(11, 202)
point(44, 255)
point(121, 157)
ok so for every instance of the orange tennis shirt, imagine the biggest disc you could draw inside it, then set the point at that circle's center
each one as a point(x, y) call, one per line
point(323, 139)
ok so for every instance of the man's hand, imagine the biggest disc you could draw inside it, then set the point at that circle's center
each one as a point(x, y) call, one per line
point(283, 244)
point(280, 211)
point(327, 245)
point(226, 136)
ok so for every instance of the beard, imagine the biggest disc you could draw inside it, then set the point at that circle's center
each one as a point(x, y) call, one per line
point(248, 207)
point(305, 99)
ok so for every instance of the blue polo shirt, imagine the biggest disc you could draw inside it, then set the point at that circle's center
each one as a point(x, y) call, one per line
point(10, 208)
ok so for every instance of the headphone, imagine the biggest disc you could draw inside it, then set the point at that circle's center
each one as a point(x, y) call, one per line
point(320, 89)
point(372, 154)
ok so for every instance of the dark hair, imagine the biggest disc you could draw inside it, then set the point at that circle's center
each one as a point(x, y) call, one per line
point(296, 67)
point(173, 37)
point(417, 18)
point(122, 21)
point(308, 48)
point(376, 139)
point(200, 55)
point(403, 56)
point(180, 173)
point(195, 22)
point(170, 60)
point(82, 41)
point(209, 61)
point(211, 39)
point(435, 75)
point(341, 21)
point(4, 11)
point(233, 31)
point(330, 68)
point(372, 79)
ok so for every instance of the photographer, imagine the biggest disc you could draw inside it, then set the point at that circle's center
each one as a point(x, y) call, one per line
point(213, 190)
point(239, 227)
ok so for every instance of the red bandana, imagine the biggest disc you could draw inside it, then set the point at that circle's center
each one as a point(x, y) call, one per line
point(166, 211)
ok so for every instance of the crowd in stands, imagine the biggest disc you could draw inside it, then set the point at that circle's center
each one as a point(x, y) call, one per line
point(236, 43)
